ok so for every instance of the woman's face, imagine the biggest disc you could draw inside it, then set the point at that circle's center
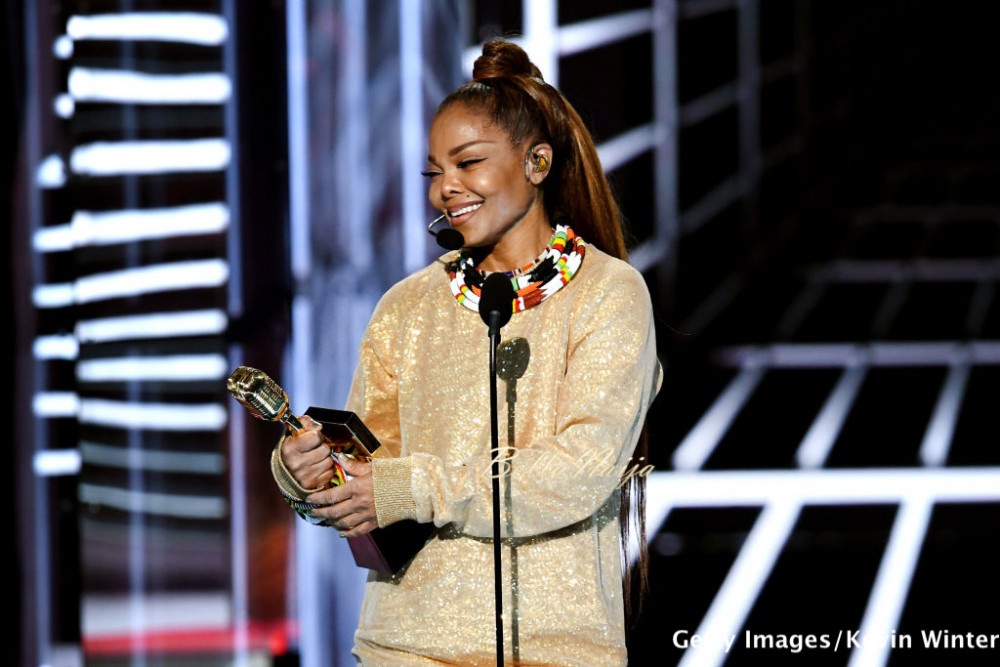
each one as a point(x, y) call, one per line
point(477, 178)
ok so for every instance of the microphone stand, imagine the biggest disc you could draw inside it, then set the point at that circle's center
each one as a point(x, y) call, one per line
point(494, 334)
point(496, 299)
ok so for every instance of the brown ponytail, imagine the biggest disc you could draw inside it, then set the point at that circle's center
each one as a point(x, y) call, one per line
point(509, 88)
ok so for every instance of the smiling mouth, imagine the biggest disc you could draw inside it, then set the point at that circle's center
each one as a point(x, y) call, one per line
point(464, 211)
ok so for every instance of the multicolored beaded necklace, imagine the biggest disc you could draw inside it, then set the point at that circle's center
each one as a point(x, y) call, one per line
point(534, 283)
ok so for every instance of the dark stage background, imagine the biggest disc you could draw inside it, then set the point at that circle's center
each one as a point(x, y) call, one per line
point(813, 195)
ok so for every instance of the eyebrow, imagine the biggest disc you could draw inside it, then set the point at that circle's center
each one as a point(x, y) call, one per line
point(458, 149)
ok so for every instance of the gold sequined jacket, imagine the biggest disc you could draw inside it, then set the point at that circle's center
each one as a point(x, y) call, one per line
point(422, 387)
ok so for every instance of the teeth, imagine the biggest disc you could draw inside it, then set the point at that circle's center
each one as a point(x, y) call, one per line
point(463, 211)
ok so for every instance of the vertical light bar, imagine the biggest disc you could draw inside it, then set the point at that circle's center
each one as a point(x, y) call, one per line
point(667, 121)
point(354, 189)
point(749, 99)
point(746, 577)
point(937, 439)
point(541, 36)
point(412, 129)
point(823, 432)
point(892, 583)
point(297, 367)
point(298, 137)
point(38, 556)
point(297, 354)
point(698, 445)
point(240, 598)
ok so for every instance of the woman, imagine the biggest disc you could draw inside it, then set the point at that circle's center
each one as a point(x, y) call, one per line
point(509, 160)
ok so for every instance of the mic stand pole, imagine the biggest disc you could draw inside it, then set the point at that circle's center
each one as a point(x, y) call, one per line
point(494, 325)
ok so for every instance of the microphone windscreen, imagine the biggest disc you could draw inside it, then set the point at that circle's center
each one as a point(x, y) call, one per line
point(497, 295)
point(450, 238)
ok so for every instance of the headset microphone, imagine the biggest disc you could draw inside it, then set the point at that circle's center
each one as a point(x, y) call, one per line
point(447, 236)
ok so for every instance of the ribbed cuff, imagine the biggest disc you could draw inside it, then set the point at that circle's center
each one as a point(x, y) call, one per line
point(286, 482)
point(392, 489)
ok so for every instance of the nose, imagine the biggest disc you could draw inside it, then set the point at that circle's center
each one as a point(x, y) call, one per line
point(451, 184)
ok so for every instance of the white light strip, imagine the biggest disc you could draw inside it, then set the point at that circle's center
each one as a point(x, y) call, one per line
point(704, 107)
point(892, 583)
point(937, 439)
point(200, 463)
point(627, 146)
point(890, 271)
point(926, 214)
point(56, 462)
point(712, 204)
point(150, 279)
point(56, 295)
point(60, 346)
point(892, 302)
point(743, 584)
point(162, 504)
point(818, 441)
point(595, 33)
point(150, 157)
point(53, 404)
point(796, 313)
point(833, 355)
point(115, 615)
point(64, 106)
point(695, 449)
point(112, 227)
point(157, 325)
point(838, 486)
point(692, 9)
point(104, 85)
point(62, 47)
point(187, 27)
point(570, 39)
point(647, 254)
point(51, 173)
point(717, 301)
point(541, 29)
point(176, 368)
point(153, 416)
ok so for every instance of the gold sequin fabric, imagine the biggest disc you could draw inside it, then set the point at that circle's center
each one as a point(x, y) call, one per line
point(422, 386)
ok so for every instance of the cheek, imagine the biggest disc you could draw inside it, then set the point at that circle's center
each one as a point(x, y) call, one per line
point(434, 194)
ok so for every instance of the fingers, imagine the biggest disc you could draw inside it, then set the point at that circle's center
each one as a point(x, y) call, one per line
point(361, 522)
point(361, 529)
point(307, 441)
point(315, 476)
point(307, 456)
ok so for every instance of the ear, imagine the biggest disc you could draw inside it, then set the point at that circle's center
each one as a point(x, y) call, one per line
point(540, 161)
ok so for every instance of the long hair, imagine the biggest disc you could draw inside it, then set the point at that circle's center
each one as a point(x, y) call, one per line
point(509, 89)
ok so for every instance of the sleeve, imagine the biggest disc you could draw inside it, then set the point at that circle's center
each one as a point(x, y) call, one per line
point(556, 481)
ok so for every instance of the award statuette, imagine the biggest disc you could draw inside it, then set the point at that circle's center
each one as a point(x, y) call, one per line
point(383, 549)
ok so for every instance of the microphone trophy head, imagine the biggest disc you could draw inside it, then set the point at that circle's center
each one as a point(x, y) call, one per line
point(261, 396)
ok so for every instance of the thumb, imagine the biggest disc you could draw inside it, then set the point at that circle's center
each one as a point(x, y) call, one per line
point(350, 466)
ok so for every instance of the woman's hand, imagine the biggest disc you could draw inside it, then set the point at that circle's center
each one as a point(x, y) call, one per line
point(352, 505)
point(307, 456)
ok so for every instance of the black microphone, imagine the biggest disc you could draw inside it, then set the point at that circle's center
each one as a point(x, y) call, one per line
point(496, 301)
point(447, 236)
